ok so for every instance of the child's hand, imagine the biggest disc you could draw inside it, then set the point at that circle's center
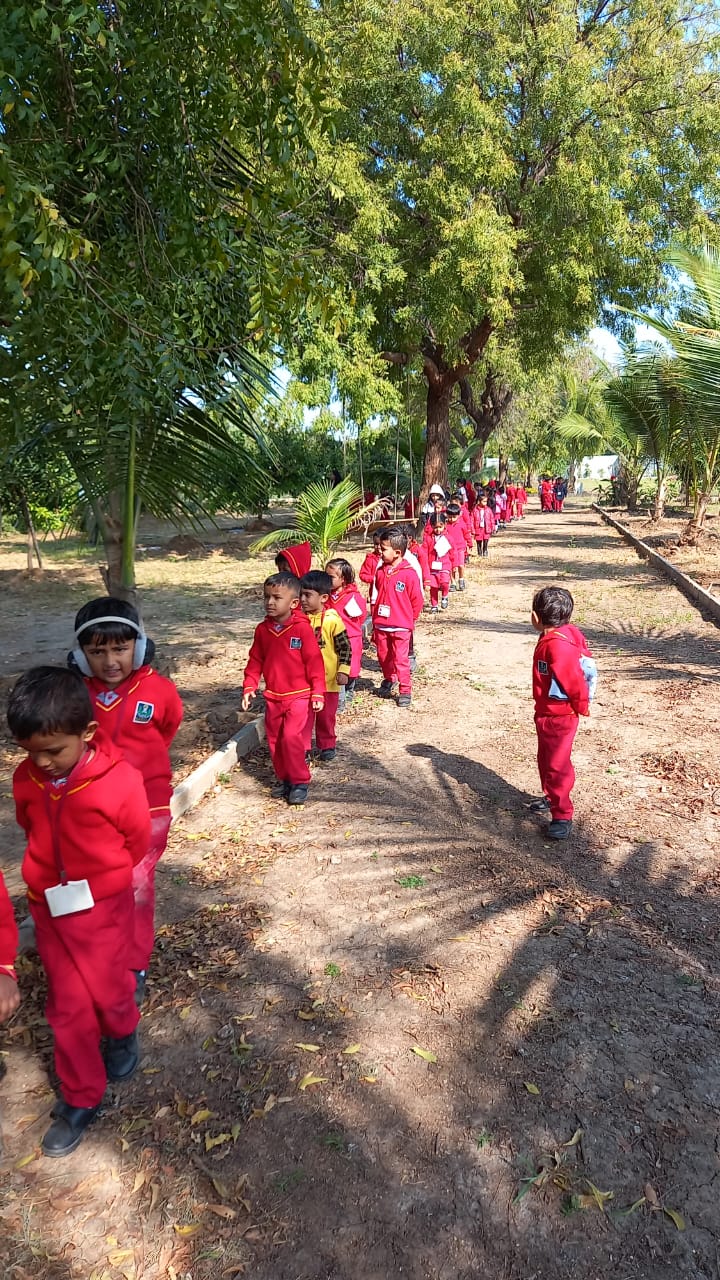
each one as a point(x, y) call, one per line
point(9, 996)
point(246, 700)
point(317, 704)
point(342, 677)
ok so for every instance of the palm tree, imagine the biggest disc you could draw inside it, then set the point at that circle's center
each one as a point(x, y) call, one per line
point(324, 516)
point(692, 375)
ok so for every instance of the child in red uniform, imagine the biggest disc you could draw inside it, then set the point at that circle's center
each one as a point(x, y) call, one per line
point(370, 565)
point(286, 654)
point(84, 811)
point(337, 657)
point(483, 525)
point(295, 559)
point(396, 609)
point(437, 562)
point(139, 711)
point(561, 694)
point(455, 534)
point(351, 606)
point(521, 501)
point(9, 995)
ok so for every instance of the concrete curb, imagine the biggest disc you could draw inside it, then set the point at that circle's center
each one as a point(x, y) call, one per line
point(193, 788)
point(696, 594)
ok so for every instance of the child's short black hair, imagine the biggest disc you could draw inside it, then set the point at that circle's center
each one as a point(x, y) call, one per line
point(396, 538)
point(377, 535)
point(453, 509)
point(437, 517)
point(49, 700)
point(553, 606)
point(344, 568)
point(317, 580)
point(103, 607)
point(284, 579)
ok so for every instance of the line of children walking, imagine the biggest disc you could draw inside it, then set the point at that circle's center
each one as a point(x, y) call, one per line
point(93, 799)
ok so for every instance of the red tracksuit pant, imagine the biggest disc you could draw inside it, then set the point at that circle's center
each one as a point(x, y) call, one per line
point(285, 732)
point(91, 990)
point(143, 939)
point(393, 651)
point(323, 722)
point(556, 735)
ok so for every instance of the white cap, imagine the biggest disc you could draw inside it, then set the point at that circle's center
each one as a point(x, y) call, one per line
point(437, 488)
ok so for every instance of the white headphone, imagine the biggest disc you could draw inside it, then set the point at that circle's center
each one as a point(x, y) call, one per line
point(141, 643)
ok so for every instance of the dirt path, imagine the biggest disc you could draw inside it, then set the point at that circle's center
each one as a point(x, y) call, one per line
point(565, 999)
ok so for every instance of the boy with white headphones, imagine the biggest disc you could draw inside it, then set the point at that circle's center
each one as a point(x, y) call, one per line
point(140, 712)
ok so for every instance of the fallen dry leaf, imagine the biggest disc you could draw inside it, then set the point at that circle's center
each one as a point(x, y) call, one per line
point(675, 1217)
point(426, 1054)
point(532, 1088)
point(309, 1048)
point(310, 1079)
point(353, 1048)
point(186, 1228)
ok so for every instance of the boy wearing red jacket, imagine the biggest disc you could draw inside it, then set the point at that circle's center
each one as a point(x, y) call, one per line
point(286, 654)
point(9, 995)
point(85, 814)
point(561, 695)
point(139, 712)
point(437, 563)
point(396, 609)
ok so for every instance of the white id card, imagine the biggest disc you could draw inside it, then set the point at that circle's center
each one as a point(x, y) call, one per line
point(383, 610)
point(66, 899)
point(436, 566)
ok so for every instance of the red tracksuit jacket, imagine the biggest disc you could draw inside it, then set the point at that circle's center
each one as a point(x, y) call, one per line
point(141, 717)
point(399, 601)
point(455, 535)
point(556, 662)
point(369, 567)
point(8, 930)
point(98, 822)
point(465, 520)
point(483, 523)
point(433, 557)
point(288, 656)
point(341, 599)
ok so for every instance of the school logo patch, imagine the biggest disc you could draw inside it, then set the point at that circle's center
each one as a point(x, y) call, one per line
point(108, 698)
point(295, 642)
point(143, 712)
point(543, 668)
point(399, 586)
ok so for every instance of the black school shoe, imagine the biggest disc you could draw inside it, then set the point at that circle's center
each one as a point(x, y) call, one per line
point(539, 806)
point(122, 1056)
point(279, 790)
point(385, 690)
point(326, 755)
point(559, 829)
point(67, 1129)
point(298, 794)
point(404, 700)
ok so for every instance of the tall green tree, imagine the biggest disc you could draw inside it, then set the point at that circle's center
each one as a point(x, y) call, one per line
point(152, 158)
point(506, 171)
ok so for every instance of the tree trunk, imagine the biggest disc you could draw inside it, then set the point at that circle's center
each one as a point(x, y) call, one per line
point(119, 526)
point(660, 495)
point(695, 526)
point(32, 542)
point(485, 414)
point(437, 439)
point(502, 468)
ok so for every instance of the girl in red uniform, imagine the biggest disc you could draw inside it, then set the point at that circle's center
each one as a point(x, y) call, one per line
point(438, 562)
point(295, 559)
point(85, 815)
point(139, 712)
point(455, 534)
point(350, 605)
point(483, 525)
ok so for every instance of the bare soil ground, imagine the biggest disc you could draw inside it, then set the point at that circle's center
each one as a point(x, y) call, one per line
point(400, 1032)
point(701, 562)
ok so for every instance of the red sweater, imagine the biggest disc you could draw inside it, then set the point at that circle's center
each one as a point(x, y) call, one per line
point(288, 656)
point(98, 822)
point(455, 535)
point(483, 523)
point(141, 717)
point(8, 930)
point(556, 662)
point(369, 567)
point(399, 600)
point(341, 599)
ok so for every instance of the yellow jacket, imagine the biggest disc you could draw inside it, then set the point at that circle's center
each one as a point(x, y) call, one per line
point(334, 645)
